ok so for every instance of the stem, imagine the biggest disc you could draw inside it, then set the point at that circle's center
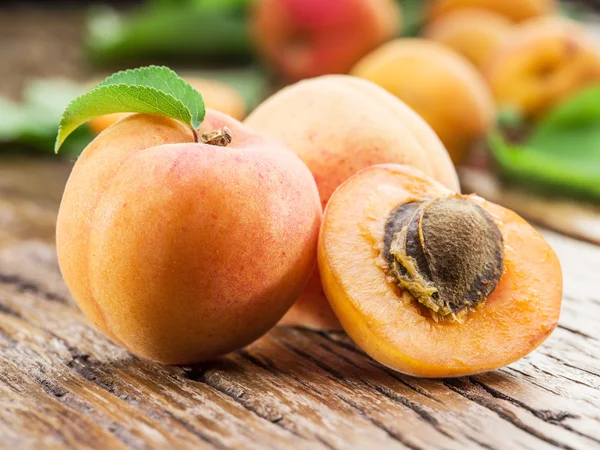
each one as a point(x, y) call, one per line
point(195, 134)
point(221, 138)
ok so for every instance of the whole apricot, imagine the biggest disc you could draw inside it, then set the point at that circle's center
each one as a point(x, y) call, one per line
point(516, 11)
point(433, 283)
point(216, 95)
point(439, 84)
point(183, 251)
point(474, 33)
point(337, 125)
point(542, 62)
point(306, 38)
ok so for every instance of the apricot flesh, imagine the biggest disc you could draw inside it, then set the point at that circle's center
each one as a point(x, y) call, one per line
point(516, 11)
point(474, 33)
point(337, 125)
point(216, 95)
point(182, 251)
point(542, 62)
point(439, 84)
point(390, 325)
point(307, 38)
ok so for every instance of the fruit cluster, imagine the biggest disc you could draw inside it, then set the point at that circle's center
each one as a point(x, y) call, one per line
point(182, 245)
point(473, 57)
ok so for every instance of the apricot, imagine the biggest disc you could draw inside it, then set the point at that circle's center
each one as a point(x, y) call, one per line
point(216, 95)
point(307, 38)
point(439, 84)
point(432, 283)
point(337, 125)
point(474, 33)
point(516, 11)
point(183, 251)
point(542, 62)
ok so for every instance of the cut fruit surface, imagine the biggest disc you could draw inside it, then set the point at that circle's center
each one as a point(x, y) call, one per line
point(396, 330)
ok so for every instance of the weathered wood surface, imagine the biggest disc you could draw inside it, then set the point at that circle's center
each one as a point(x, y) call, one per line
point(62, 385)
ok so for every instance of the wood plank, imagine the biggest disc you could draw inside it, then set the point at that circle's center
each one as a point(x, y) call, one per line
point(63, 385)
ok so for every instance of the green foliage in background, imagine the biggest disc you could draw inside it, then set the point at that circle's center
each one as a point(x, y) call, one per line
point(32, 123)
point(561, 154)
point(209, 30)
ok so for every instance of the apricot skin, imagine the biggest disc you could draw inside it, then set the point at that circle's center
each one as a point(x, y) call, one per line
point(542, 62)
point(516, 11)
point(216, 95)
point(181, 251)
point(474, 33)
point(337, 125)
point(307, 38)
point(393, 328)
point(439, 84)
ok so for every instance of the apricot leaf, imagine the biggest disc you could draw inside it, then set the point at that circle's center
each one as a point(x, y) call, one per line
point(152, 90)
point(560, 153)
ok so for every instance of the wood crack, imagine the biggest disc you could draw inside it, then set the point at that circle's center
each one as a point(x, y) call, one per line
point(577, 332)
point(395, 375)
point(391, 433)
point(421, 412)
point(564, 363)
point(215, 380)
point(194, 430)
point(553, 417)
point(23, 285)
point(458, 385)
point(395, 397)
point(4, 309)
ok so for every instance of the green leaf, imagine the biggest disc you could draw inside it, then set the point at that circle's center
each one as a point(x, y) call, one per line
point(31, 123)
point(153, 90)
point(186, 32)
point(413, 17)
point(562, 152)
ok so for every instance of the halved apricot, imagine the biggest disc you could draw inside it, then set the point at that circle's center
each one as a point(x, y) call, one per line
point(433, 283)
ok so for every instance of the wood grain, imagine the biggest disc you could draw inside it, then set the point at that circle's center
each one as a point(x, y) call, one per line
point(64, 386)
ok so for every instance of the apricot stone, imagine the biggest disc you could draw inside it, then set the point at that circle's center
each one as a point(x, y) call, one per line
point(511, 293)
point(216, 95)
point(542, 62)
point(439, 84)
point(307, 38)
point(184, 251)
point(516, 11)
point(337, 125)
point(474, 33)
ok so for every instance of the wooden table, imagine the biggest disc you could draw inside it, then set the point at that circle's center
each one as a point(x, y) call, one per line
point(63, 385)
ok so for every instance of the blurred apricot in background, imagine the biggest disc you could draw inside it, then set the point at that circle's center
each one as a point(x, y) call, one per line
point(542, 62)
point(515, 10)
point(474, 33)
point(307, 38)
point(442, 86)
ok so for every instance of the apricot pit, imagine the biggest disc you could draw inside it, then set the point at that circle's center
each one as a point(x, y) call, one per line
point(446, 252)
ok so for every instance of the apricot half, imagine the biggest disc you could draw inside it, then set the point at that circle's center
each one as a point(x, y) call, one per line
point(433, 283)
point(183, 251)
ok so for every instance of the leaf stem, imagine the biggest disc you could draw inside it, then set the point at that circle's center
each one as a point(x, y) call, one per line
point(195, 135)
